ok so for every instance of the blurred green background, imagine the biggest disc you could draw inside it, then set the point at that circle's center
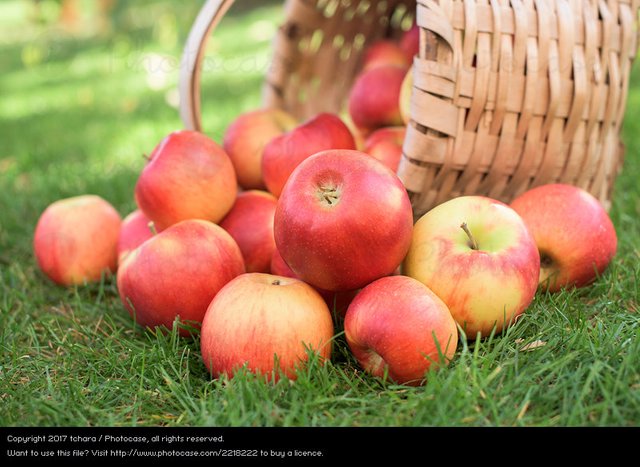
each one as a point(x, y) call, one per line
point(87, 87)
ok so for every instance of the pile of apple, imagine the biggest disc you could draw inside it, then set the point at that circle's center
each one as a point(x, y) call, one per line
point(260, 245)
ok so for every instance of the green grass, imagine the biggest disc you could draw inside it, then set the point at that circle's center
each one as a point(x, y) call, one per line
point(76, 116)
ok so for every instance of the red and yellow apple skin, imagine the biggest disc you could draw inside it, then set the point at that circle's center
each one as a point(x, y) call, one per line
point(343, 220)
point(245, 139)
point(374, 100)
point(486, 287)
point(385, 145)
point(75, 240)
point(136, 229)
point(250, 223)
point(338, 302)
point(574, 234)
point(188, 176)
point(358, 137)
point(284, 153)
point(385, 52)
point(397, 325)
point(176, 274)
point(258, 318)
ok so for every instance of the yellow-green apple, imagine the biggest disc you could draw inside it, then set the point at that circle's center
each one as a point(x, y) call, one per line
point(75, 240)
point(188, 176)
point(265, 323)
point(343, 220)
point(385, 145)
point(245, 139)
point(338, 302)
point(358, 137)
point(374, 99)
point(136, 228)
point(385, 52)
point(176, 273)
point(405, 96)
point(250, 223)
point(574, 234)
point(478, 256)
point(410, 42)
point(398, 326)
point(283, 153)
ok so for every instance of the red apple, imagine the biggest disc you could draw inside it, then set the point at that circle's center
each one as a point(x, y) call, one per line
point(385, 145)
point(246, 137)
point(135, 230)
point(188, 176)
point(75, 240)
point(385, 52)
point(397, 325)
point(337, 302)
point(283, 154)
point(176, 273)
point(267, 323)
point(279, 267)
point(574, 234)
point(410, 42)
point(374, 100)
point(343, 220)
point(250, 223)
point(478, 256)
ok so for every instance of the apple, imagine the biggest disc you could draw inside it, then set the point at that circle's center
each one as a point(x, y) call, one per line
point(398, 326)
point(405, 97)
point(374, 99)
point(385, 145)
point(188, 176)
point(176, 273)
point(410, 42)
point(343, 220)
point(478, 256)
point(250, 223)
point(573, 232)
point(268, 324)
point(136, 228)
point(283, 154)
point(75, 240)
point(337, 302)
point(385, 52)
point(245, 139)
point(358, 137)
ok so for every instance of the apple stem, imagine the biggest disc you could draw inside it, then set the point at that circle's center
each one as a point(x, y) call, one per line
point(276, 282)
point(146, 157)
point(152, 227)
point(474, 243)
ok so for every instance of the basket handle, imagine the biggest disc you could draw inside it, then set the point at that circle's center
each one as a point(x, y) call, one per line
point(191, 65)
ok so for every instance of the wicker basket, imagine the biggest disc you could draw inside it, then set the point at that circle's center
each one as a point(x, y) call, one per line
point(507, 94)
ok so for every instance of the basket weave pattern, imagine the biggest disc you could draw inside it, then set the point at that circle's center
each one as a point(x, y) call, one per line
point(509, 95)
point(318, 50)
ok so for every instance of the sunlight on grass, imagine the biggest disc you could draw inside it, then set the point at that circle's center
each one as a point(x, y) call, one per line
point(13, 15)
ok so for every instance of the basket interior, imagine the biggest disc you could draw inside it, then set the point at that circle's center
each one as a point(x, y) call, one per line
point(318, 50)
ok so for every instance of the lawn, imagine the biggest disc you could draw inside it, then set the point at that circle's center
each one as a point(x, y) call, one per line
point(77, 113)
